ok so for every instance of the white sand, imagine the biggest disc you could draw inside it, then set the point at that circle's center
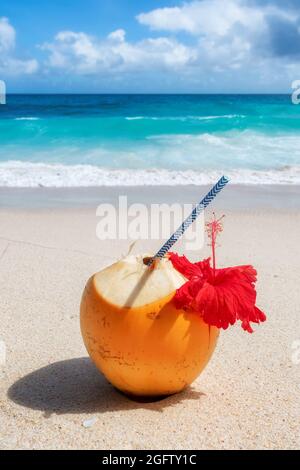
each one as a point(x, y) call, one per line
point(53, 397)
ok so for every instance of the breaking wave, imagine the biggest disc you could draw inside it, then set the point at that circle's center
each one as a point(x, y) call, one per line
point(28, 174)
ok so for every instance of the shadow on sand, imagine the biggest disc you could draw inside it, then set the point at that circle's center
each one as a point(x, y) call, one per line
point(76, 386)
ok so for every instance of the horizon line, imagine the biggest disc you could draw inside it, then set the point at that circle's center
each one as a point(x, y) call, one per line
point(154, 93)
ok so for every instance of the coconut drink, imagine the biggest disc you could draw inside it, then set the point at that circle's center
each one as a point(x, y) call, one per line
point(151, 323)
point(135, 334)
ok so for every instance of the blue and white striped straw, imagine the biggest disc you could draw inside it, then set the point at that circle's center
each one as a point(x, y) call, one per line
point(190, 219)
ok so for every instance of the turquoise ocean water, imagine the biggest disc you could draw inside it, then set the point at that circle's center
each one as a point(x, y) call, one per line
point(92, 140)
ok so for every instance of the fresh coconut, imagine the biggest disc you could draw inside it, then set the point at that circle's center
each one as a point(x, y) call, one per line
point(134, 333)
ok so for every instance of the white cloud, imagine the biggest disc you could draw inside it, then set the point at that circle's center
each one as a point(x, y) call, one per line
point(7, 35)
point(9, 64)
point(204, 17)
point(229, 33)
point(118, 35)
point(210, 17)
point(224, 35)
point(192, 45)
point(86, 54)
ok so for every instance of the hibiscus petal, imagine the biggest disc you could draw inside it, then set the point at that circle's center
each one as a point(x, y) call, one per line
point(220, 296)
point(184, 266)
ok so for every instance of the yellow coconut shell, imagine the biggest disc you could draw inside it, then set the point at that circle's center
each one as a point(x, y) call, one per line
point(134, 334)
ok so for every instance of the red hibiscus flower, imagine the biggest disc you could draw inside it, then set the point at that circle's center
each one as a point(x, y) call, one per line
point(221, 296)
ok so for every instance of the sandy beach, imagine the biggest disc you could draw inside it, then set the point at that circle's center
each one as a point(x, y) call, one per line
point(52, 397)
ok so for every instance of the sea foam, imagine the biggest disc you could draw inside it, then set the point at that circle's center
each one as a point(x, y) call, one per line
point(29, 118)
point(27, 174)
point(184, 118)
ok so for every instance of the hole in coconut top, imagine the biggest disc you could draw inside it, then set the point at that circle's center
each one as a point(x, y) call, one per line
point(147, 261)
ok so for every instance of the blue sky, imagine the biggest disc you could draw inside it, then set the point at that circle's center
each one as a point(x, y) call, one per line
point(136, 46)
